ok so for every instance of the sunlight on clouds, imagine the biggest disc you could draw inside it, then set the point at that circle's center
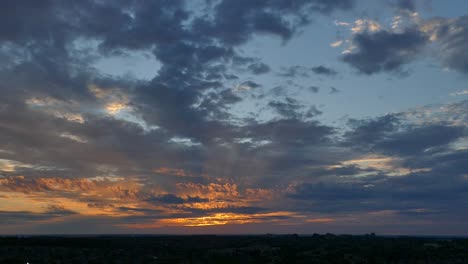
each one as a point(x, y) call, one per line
point(96, 91)
point(115, 108)
point(438, 27)
point(116, 102)
point(223, 195)
point(381, 163)
point(342, 24)
point(220, 219)
point(349, 49)
point(396, 22)
point(184, 141)
point(37, 195)
point(336, 43)
point(44, 101)
point(104, 196)
point(253, 142)
point(73, 137)
point(106, 178)
point(106, 188)
point(114, 99)
point(17, 201)
point(362, 25)
point(451, 114)
point(405, 20)
point(83, 208)
point(321, 220)
point(6, 151)
point(431, 27)
point(464, 92)
point(7, 165)
point(60, 109)
point(219, 190)
point(460, 144)
point(242, 87)
point(71, 117)
point(397, 25)
point(174, 172)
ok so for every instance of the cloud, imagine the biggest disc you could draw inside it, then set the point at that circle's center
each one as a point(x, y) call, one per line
point(304, 72)
point(295, 71)
point(290, 131)
point(259, 68)
point(288, 109)
point(385, 51)
point(336, 43)
point(313, 89)
point(234, 23)
point(419, 139)
point(390, 135)
point(374, 48)
point(324, 70)
point(173, 199)
point(21, 217)
point(182, 148)
point(451, 35)
point(408, 5)
point(333, 90)
point(464, 92)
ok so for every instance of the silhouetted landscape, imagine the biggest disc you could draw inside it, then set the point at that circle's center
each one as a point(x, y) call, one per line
point(315, 248)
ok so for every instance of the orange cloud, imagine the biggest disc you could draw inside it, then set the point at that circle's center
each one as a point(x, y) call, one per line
point(320, 220)
point(28, 185)
point(102, 196)
point(170, 171)
point(219, 219)
point(115, 107)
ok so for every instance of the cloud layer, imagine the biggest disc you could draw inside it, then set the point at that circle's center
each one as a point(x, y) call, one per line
point(80, 148)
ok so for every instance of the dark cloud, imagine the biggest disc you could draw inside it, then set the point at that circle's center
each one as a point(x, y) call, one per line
point(324, 70)
point(192, 48)
point(391, 135)
point(331, 192)
point(389, 51)
point(259, 68)
point(251, 84)
point(438, 190)
point(406, 5)
point(452, 36)
point(385, 51)
point(235, 22)
point(290, 131)
point(403, 196)
point(304, 72)
point(369, 131)
point(333, 90)
point(294, 71)
point(313, 89)
point(174, 199)
point(289, 108)
point(416, 140)
point(21, 217)
point(313, 111)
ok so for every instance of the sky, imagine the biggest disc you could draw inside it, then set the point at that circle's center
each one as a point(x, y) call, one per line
point(234, 117)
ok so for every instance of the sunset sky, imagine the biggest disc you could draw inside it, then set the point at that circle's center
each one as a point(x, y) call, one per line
point(234, 117)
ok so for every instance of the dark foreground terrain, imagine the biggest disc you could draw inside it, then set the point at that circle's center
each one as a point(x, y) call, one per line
point(232, 249)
